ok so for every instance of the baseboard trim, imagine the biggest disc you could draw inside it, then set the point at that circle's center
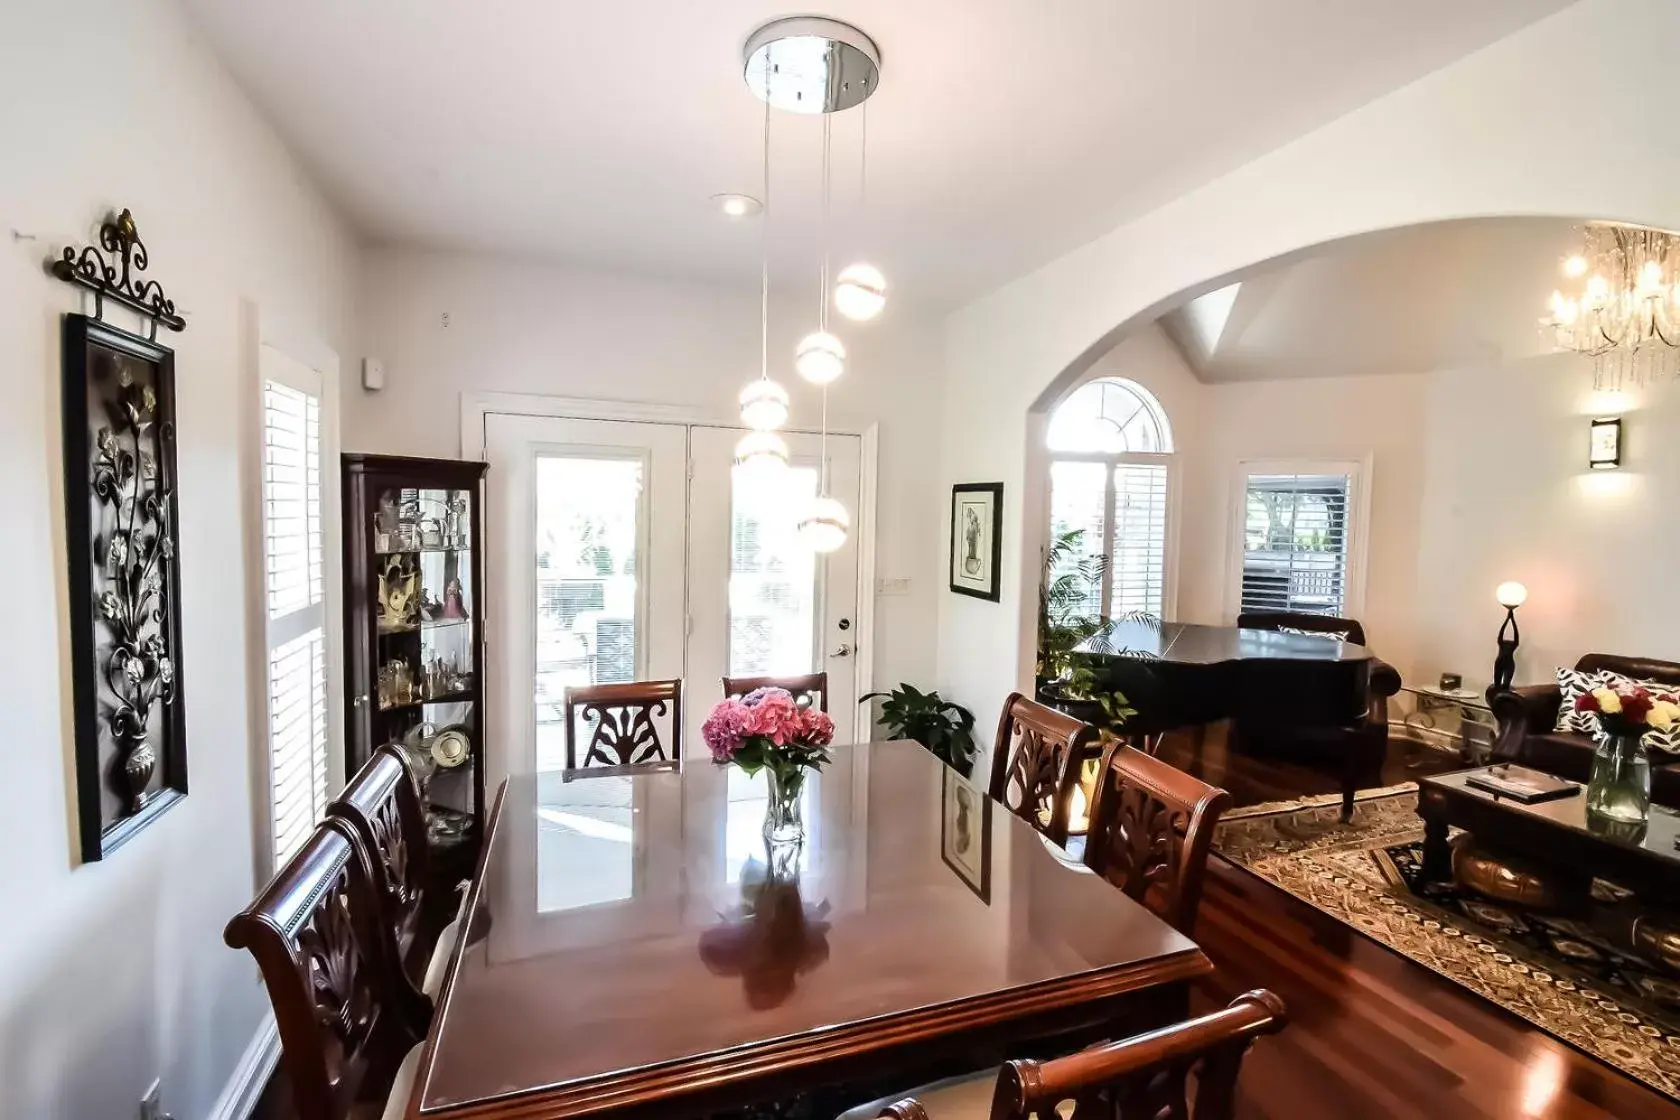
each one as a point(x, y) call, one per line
point(243, 1090)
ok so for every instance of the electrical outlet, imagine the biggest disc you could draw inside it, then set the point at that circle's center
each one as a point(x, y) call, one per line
point(150, 1104)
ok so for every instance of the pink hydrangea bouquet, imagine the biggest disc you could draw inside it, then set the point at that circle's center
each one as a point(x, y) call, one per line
point(766, 730)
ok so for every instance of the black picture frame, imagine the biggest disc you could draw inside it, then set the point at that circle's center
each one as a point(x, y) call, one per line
point(963, 805)
point(120, 478)
point(968, 546)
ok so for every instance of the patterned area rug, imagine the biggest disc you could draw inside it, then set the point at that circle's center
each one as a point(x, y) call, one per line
point(1565, 977)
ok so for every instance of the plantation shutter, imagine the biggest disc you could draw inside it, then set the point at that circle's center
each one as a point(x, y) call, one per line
point(1295, 546)
point(1137, 566)
point(294, 593)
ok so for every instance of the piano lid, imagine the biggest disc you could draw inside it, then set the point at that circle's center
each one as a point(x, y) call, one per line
point(1188, 643)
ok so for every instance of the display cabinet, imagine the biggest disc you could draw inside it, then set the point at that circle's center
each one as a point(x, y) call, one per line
point(414, 632)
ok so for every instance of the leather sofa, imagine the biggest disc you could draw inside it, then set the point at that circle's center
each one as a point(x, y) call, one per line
point(1527, 718)
point(1361, 749)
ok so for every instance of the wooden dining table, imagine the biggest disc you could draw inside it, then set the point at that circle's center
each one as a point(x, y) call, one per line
point(633, 949)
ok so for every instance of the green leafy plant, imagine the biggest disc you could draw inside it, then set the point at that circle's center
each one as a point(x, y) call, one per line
point(943, 727)
point(1070, 582)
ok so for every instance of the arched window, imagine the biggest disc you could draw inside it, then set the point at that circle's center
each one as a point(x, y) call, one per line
point(1110, 475)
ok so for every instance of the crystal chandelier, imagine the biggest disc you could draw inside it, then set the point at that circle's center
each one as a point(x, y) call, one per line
point(1625, 314)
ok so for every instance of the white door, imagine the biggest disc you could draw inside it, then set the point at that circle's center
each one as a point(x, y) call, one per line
point(635, 551)
point(587, 563)
point(761, 603)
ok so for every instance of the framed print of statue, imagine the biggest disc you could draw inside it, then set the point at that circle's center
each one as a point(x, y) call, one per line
point(976, 538)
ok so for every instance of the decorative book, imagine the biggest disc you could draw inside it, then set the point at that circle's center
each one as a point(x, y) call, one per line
point(1519, 783)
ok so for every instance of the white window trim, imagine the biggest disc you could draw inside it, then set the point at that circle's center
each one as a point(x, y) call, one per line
point(260, 330)
point(1358, 535)
point(1169, 547)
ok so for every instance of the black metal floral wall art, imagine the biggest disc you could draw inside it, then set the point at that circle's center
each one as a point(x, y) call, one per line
point(121, 532)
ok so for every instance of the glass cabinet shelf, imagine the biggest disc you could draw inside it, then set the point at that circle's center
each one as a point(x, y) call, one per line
point(414, 633)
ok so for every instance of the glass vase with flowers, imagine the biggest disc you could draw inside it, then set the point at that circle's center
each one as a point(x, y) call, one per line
point(1619, 788)
point(767, 730)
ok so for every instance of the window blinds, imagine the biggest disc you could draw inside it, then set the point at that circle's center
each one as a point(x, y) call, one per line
point(294, 586)
point(1122, 511)
point(1137, 564)
point(1295, 547)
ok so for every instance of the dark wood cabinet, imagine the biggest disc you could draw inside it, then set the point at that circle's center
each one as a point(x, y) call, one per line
point(414, 632)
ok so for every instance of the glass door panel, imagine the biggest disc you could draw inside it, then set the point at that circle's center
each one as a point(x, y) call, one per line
point(772, 576)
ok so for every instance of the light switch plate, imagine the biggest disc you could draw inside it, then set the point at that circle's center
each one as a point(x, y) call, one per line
point(892, 585)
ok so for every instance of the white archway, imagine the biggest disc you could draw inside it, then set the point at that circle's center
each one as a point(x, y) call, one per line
point(1480, 138)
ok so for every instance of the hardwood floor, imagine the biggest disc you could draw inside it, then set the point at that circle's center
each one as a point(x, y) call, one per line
point(1372, 1036)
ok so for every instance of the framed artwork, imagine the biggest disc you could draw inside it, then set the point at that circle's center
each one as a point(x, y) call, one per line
point(122, 543)
point(965, 833)
point(125, 607)
point(976, 538)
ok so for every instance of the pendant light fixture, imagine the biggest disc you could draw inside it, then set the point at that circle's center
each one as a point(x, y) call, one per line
point(810, 64)
point(764, 404)
point(860, 291)
point(820, 358)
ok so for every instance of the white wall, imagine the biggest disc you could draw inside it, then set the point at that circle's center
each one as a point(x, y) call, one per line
point(519, 327)
point(1509, 496)
point(115, 972)
point(1480, 137)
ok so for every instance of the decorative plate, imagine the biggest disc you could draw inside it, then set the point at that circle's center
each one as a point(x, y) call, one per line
point(451, 747)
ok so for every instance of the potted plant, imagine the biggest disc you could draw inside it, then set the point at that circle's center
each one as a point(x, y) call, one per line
point(943, 727)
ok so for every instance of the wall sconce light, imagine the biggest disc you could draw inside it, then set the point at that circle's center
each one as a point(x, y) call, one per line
point(1604, 447)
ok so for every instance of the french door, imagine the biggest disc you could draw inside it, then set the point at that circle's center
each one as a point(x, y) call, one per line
point(636, 551)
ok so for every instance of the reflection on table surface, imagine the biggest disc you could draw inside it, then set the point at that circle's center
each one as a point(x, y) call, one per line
point(625, 921)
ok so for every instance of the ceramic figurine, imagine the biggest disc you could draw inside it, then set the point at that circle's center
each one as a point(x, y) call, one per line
point(453, 605)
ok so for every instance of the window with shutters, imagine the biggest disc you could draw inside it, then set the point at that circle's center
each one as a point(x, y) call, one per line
point(294, 596)
point(1110, 488)
point(1296, 531)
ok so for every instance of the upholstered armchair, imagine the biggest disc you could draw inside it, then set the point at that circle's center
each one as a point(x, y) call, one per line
point(1363, 747)
point(1527, 719)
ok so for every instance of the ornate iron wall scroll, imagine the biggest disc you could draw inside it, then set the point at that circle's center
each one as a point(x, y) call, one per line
point(119, 451)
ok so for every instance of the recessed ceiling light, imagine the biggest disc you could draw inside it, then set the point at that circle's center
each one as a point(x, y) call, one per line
point(737, 205)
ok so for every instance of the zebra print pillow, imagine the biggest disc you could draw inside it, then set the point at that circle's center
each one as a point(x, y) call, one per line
point(1333, 635)
point(1572, 685)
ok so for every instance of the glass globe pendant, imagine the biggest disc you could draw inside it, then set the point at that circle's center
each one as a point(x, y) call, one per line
point(820, 358)
point(824, 526)
point(764, 405)
point(860, 292)
point(762, 454)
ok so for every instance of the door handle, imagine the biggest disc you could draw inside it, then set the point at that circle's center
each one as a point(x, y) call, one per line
point(845, 650)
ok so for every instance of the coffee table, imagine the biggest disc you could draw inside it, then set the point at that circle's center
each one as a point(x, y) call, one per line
point(1556, 833)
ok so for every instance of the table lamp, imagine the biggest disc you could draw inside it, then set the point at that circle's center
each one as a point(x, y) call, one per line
point(1511, 595)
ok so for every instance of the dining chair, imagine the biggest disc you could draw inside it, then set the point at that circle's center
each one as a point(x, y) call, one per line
point(346, 1018)
point(382, 804)
point(620, 725)
point(1036, 761)
point(1139, 1078)
point(809, 690)
point(1151, 828)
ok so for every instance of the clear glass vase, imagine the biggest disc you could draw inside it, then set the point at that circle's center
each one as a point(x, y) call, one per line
point(784, 815)
point(1620, 786)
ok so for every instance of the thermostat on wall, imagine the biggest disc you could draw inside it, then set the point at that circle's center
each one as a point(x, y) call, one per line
point(373, 374)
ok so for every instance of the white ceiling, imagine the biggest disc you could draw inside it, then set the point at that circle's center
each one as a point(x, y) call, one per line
point(1406, 301)
point(1005, 132)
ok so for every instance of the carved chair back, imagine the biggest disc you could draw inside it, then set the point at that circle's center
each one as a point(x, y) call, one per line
point(1151, 827)
point(1146, 1077)
point(330, 970)
point(1036, 761)
point(809, 691)
point(382, 804)
point(618, 725)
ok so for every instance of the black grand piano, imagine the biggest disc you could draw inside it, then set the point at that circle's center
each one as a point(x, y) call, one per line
point(1283, 691)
